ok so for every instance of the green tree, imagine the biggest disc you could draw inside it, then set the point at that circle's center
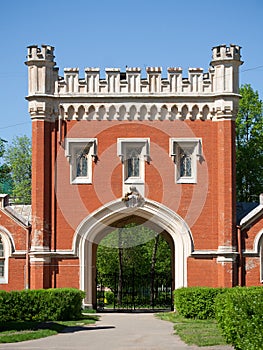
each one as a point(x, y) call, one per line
point(249, 145)
point(5, 177)
point(18, 158)
point(132, 250)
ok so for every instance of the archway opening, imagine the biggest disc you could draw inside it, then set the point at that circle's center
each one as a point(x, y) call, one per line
point(135, 268)
point(117, 214)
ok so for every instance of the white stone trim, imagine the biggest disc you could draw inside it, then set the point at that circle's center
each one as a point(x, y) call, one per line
point(123, 144)
point(68, 253)
point(71, 147)
point(252, 215)
point(223, 254)
point(171, 108)
point(256, 245)
point(257, 251)
point(258, 242)
point(226, 254)
point(157, 215)
point(8, 244)
point(186, 143)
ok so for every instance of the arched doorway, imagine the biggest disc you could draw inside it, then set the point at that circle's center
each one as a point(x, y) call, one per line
point(135, 268)
point(101, 222)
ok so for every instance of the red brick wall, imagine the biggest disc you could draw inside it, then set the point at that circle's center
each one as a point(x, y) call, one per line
point(252, 263)
point(65, 273)
point(207, 207)
point(16, 266)
point(202, 272)
point(16, 274)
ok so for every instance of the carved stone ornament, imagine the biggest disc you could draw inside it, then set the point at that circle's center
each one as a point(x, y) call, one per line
point(133, 199)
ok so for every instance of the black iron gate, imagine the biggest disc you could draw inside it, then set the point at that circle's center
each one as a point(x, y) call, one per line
point(134, 292)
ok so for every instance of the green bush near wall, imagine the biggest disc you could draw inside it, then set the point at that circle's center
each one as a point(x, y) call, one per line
point(239, 313)
point(196, 302)
point(109, 296)
point(41, 305)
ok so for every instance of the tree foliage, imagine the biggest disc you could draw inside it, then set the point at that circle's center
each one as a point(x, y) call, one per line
point(249, 145)
point(143, 252)
point(5, 177)
point(18, 159)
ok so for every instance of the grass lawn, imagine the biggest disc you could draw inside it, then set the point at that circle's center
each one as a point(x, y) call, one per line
point(193, 331)
point(11, 332)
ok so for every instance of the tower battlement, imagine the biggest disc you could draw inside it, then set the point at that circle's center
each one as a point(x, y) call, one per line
point(223, 52)
point(45, 52)
point(226, 60)
point(145, 93)
point(221, 77)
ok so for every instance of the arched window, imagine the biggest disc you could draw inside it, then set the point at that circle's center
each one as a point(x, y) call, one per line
point(82, 162)
point(133, 162)
point(133, 153)
point(186, 161)
point(2, 259)
point(185, 153)
point(81, 152)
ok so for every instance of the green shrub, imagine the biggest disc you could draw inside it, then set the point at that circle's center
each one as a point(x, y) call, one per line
point(196, 302)
point(239, 313)
point(41, 305)
point(109, 297)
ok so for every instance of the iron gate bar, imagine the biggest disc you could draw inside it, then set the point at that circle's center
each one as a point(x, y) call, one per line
point(138, 292)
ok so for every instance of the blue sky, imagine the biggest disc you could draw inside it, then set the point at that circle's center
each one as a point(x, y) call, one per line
point(117, 33)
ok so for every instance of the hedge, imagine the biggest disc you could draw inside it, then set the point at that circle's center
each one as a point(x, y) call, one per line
point(41, 305)
point(239, 313)
point(196, 302)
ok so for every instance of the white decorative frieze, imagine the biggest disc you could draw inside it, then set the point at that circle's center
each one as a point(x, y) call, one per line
point(133, 95)
point(137, 111)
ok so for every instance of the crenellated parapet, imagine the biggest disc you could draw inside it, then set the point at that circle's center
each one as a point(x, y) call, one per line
point(150, 94)
point(131, 82)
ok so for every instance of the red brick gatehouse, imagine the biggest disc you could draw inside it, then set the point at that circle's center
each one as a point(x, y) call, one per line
point(164, 142)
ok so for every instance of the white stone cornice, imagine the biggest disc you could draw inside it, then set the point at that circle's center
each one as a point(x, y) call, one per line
point(140, 110)
point(51, 253)
point(19, 254)
point(45, 256)
point(223, 254)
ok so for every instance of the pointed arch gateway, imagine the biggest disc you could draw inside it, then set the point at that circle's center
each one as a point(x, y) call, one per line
point(107, 218)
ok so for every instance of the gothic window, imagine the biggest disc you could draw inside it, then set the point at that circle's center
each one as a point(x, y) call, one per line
point(82, 162)
point(185, 154)
point(133, 162)
point(185, 162)
point(81, 153)
point(133, 153)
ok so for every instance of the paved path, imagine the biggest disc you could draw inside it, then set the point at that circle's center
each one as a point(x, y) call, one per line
point(115, 332)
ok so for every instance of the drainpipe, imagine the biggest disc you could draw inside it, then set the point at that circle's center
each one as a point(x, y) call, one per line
point(27, 266)
point(240, 251)
point(60, 121)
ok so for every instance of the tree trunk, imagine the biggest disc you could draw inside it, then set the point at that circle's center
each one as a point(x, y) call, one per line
point(154, 253)
point(120, 280)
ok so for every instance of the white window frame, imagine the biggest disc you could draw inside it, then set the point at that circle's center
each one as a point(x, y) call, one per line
point(123, 147)
point(194, 144)
point(5, 258)
point(72, 146)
